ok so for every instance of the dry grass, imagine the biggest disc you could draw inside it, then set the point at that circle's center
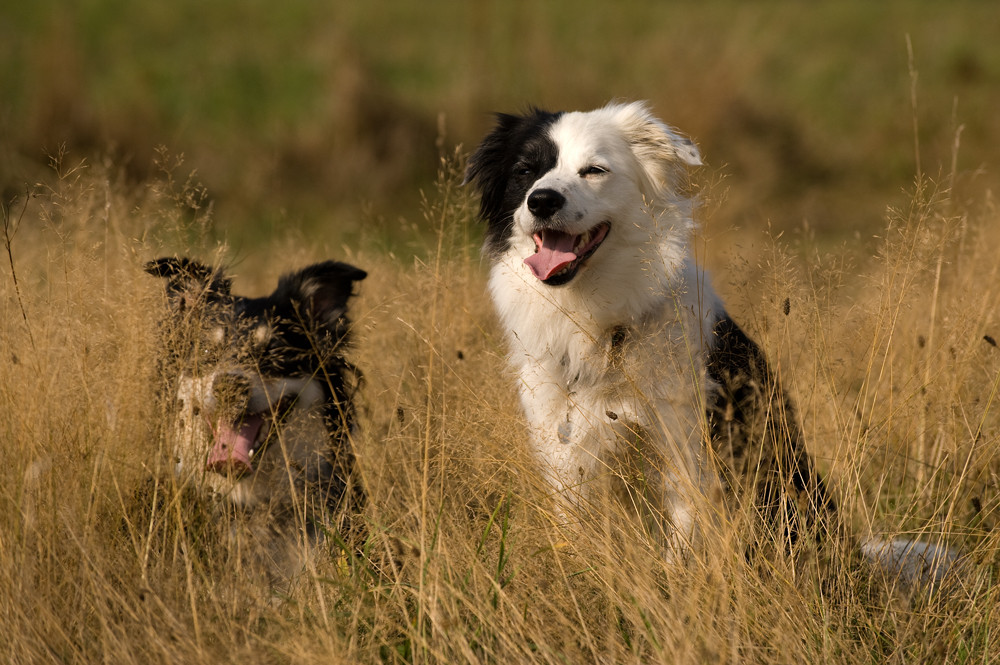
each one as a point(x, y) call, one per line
point(891, 358)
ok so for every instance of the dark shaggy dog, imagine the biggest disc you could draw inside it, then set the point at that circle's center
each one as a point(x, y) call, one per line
point(262, 404)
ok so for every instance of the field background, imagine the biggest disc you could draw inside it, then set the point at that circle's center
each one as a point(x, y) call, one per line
point(848, 176)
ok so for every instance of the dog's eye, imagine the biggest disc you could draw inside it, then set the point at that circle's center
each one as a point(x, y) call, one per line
point(593, 169)
point(522, 169)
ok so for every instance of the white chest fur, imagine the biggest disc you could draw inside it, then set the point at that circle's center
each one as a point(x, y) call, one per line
point(604, 374)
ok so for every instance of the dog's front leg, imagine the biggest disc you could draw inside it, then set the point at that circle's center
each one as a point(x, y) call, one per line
point(571, 467)
point(658, 448)
point(563, 441)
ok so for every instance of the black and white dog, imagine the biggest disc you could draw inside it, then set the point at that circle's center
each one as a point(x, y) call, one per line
point(262, 402)
point(621, 347)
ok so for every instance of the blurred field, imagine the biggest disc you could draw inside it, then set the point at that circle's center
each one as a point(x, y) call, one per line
point(326, 116)
point(316, 132)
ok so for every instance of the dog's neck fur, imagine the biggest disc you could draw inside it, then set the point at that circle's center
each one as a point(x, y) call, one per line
point(571, 329)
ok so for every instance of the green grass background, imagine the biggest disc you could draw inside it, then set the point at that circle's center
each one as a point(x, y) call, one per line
point(330, 116)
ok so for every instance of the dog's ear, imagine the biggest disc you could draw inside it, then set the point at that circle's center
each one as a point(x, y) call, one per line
point(661, 151)
point(488, 169)
point(321, 292)
point(189, 281)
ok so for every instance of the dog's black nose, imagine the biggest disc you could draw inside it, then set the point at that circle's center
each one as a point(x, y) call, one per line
point(231, 391)
point(543, 203)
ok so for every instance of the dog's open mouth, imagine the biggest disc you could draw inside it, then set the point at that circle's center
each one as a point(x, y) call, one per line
point(237, 444)
point(558, 256)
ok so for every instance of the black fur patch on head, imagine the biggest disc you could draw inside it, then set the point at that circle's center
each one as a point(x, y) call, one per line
point(503, 168)
point(189, 282)
point(320, 294)
point(306, 316)
point(201, 306)
point(298, 330)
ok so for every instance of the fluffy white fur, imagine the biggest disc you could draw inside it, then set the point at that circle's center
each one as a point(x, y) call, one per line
point(585, 397)
point(301, 435)
point(621, 347)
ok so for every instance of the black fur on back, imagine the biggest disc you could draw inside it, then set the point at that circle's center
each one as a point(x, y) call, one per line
point(756, 438)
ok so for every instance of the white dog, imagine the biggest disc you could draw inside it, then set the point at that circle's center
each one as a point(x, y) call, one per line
point(622, 348)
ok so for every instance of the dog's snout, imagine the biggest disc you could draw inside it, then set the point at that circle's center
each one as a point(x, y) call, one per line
point(232, 390)
point(543, 203)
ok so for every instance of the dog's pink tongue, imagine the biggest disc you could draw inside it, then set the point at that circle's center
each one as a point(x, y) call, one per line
point(553, 251)
point(231, 452)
